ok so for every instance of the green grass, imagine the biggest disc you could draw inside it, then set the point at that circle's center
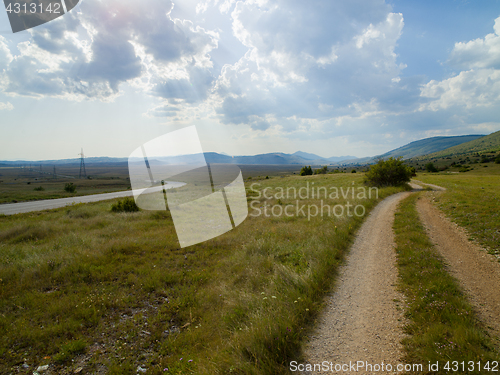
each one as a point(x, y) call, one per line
point(17, 185)
point(472, 201)
point(115, 291)
point(442, 324)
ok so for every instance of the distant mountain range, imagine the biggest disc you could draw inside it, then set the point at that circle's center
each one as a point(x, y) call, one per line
point(441, 145)
point(274, 158)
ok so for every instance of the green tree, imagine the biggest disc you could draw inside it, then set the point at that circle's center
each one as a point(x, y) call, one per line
point(429, 167)
point(322, 170)
point(390, 172)
point(70, 188)
point(306, 171)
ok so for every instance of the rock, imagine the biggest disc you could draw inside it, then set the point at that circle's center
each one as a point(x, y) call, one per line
point(42, 368)
point(78, 370)
point(140, 369)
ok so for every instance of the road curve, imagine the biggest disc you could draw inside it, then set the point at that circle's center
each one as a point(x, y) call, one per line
point(18, 208)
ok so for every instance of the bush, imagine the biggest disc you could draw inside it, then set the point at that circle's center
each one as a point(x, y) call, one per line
point(40, 188)
point(497, 160)
point(70, 188)
point(390, 172)
point(306, 171)
point(125, 205)
point(353, 171)
point(429, 167)
point(322, 170)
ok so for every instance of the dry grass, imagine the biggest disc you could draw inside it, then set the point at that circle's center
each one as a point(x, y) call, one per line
point(83, 286)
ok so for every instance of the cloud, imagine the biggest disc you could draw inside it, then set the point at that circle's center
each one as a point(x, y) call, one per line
point(88, 55)
point(309, 60)
point(476, 87)
point(469, 89)
point(478, 53)
point(6, 106)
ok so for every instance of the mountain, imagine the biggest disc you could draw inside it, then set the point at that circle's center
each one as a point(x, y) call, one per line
point(275, 158)
point(337, 159)
point(418, 148)
point(307, 155)
point(428, 146)
point(488, 143)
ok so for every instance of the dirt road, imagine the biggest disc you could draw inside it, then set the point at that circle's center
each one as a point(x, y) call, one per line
point(361, 321)
point(477, 271)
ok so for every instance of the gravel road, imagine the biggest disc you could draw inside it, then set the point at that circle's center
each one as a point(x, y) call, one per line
point(477, 271)
point(361, 320)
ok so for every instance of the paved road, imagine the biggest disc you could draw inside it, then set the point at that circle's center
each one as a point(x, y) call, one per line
point(17, 208)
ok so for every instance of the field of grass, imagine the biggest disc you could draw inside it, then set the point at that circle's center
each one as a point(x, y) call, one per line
point(472, 200)
point(86, 287)
point(442, 324)
point(18, 185)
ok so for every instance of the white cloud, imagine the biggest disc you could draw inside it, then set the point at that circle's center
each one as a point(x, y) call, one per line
point(476, 87)
point(6, 106)
point(305, 55)
point(88, 55)
point(478, 53)
point(469, 89)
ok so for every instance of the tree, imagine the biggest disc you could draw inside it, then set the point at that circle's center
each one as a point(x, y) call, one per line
point(390, 172)
point(322, 170)
point(429, 167)
point(70, 188)
point(306, 171)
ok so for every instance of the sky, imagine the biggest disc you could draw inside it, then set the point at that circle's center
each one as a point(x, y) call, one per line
point(332, 77)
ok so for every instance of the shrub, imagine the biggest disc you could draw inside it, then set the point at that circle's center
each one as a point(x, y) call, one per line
point(390, 172)
point(125, 205)
point(40, 188)
point(322, 170)
point(70, 188)
point(429, 167)
point(353, 171)
point(306, 171)
point(497, 160)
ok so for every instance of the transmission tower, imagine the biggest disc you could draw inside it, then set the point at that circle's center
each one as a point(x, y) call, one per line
point(83, 173)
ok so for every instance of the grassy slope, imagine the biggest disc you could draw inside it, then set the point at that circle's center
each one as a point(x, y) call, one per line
point(442, 325)
point(114, 291)
point(490, 143)
point(472, 201)
point(429, 145)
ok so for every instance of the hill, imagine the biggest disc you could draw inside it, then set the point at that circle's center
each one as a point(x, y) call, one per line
point(417, 148)
point(428, 146)
point(489, 143)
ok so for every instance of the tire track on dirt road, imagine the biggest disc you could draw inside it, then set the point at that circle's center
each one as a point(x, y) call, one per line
point(361, 321)
point(477, 271)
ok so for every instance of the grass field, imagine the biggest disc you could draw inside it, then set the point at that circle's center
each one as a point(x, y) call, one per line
point(85, 287)
point(18, 185)
point(472, 200)
point(442, 324)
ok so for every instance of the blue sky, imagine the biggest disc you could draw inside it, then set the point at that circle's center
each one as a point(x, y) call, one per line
point(330, 77)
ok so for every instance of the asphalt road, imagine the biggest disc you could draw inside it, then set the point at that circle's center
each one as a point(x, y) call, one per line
point(18, 208)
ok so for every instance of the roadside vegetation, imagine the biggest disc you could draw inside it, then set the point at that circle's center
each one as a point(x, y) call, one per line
point(472, 201)
point(83, 286)
point(442, 324)
point(390, 172)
